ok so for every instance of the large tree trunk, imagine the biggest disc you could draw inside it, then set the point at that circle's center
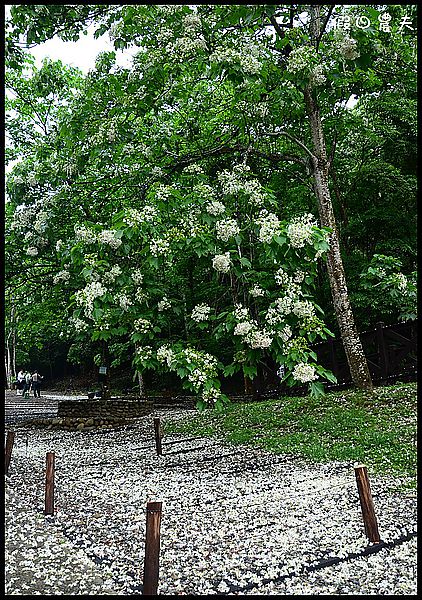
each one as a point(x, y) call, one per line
point(352, 345)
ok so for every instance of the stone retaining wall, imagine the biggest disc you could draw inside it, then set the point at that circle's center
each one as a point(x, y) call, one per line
point(119, 409)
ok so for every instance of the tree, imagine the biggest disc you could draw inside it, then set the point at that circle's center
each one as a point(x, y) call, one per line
point(207, 92)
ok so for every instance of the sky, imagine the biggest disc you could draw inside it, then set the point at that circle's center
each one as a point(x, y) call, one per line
point(81, 54)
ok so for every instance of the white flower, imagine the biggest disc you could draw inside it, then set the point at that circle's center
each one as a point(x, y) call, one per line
point(257, 291)
point(32, 251)
point(61, 276)
point(285, 333)
point(211, 395)
point(137, 276)
point(303, 308)
point(114, 272)
point(269, 226)
point(159, 246)
point(243, 328)
point(136, 217)
point(108, 236)
point(201, 312)
point(281, 277)
point(240, 313)
point(222, 262)
point(347, 48)
point(124, 301)
point(299, 276)
point(215, 208)
point(259, 339)
point(142, 325)
point(193, 169)
point(317, 76)
point(299, 230)
point(83, 234)
point(226, 229)
point(304, 373)
point(165, 354)
point(164, 304)
point(59, 245)
point(144, 353)
point(301, 59)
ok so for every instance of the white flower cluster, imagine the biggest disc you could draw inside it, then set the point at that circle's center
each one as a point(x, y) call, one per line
point(123, 301)
point(285, 333)
point(248, 329)
point(88, 294)
point(61, 276)
point(347, 48)
point(137, 276)
point(59, 245)
point(246, 57)
point(32, 251)
point(401, 281)
point(232, 182)
point(299, 230)
point(108, 236)
point(205, 366)
point(240, 312)
point(259, 339)
point(157, 171)
point(269, 226)
point(164, 304)
point(225, 229)
point(299, 276)
point(111, 275)
point(83, 234)
point(211, 395)
point(192, 23)
point(142, 325)
point(162, 192)
point(78, 324)
point(301, 60)
point(193, 169)
point(222, 262)
point(159, 246)
point(201, 312)
point(257, 291)
point(165, 354)
point(135, 217)
point(243, 328)
point(303, 309)
point(255, 192)
point(304, 373)
point(317, 76)
point(215, 208)
point(41, 221)
point(143, 353)
point(281, 277)
point(186, 46)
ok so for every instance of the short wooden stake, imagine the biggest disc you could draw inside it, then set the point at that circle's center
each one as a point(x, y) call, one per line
point(152, 549)
point(158, 435)
point(8, 450)
point(367, 504)
point(49, 484)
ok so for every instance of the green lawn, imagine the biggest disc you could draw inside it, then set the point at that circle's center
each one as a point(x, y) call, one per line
point(378, 428)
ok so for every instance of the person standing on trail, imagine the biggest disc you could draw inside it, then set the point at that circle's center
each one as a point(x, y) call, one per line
point(36, 383)
point(20, 383)
point(27, 384)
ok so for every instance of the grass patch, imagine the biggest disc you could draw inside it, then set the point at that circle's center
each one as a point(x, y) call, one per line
point(377, 428)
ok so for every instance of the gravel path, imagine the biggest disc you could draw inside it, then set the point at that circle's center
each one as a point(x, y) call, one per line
point(236, 520)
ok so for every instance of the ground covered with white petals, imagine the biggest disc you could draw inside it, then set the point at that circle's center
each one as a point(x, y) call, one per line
point(236, 520)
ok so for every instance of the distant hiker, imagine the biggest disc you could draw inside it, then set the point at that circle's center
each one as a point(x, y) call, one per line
point(27, 384)
point(36, 379)
point(20, 382)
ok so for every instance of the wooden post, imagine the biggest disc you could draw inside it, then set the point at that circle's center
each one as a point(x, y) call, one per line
point(382, 350)
point(8, 450)
point(158, 435)
point(152, 549)
point(49, 484)
point(367, 504)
